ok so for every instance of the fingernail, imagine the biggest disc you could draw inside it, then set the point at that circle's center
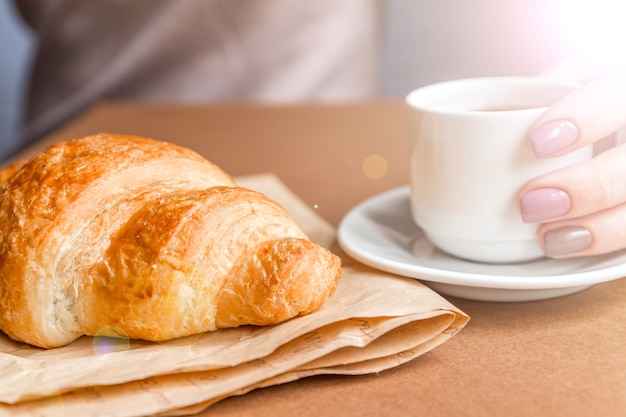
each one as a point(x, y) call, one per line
point(566, 240)
point(553, 137)
point(543, 204)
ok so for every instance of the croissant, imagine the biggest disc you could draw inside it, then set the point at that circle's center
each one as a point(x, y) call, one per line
point(149, 240)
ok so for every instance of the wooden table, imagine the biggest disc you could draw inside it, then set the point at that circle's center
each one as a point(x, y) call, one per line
point(560, 357)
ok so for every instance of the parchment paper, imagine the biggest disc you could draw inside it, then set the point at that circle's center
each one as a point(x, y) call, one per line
point(374, 321)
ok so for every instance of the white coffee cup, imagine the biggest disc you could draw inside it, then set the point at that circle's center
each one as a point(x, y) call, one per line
point(470, 155)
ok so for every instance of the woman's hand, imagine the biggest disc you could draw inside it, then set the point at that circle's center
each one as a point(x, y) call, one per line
point(582, 209)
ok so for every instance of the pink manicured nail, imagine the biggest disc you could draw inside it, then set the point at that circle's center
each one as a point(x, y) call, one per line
point(566, 240)
point(553, 137)
point(543, 204)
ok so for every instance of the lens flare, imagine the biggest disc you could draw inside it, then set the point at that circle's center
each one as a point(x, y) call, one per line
point(595, 30)
point(110, 339)
point(375, 166)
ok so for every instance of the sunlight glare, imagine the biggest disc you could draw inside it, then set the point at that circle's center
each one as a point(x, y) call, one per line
point(595, 29)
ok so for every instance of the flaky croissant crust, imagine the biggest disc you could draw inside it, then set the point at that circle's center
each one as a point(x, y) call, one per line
point(147, 238)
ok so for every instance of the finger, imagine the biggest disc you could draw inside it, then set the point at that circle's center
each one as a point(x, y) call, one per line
point(581, 118)
point(579, 190)
point(599, 233)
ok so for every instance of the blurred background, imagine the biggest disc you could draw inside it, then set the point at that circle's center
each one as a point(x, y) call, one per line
point(16, 49)
point(424, 41)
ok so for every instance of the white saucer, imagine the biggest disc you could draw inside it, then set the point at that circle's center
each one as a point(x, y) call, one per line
point(381, 233)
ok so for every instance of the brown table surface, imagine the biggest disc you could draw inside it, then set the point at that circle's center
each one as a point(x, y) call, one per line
point(559, 357)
